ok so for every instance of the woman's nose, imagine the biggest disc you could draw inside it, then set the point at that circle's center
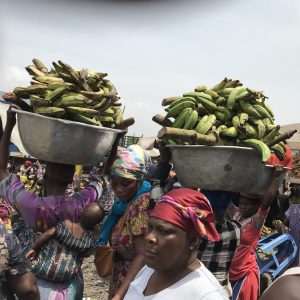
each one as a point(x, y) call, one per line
point(241, 206)
point(151, 238)
point(119, 188)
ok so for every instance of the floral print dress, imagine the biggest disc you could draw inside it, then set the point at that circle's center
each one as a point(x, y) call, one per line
point(12, 261)
point(136, 224)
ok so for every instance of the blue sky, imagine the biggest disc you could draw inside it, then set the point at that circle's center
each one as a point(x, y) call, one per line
point(154, 49)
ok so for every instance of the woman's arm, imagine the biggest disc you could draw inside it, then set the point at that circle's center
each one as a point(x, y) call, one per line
point(136, 266)
point(272, 190)
point(42, 240)
point(112, 156)
point(5, 140)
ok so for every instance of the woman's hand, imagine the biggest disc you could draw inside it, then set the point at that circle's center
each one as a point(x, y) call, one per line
point(273, 188)
point(165, 154)
point(11, 116)
point(31, 255)
point(278, 171)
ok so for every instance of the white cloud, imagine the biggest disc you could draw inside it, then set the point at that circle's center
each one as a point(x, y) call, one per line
point(13, 76)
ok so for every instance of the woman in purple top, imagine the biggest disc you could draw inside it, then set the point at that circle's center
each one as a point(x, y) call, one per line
point(42, 213)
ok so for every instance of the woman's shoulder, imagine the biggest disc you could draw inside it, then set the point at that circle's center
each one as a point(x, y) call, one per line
point(144, 273)
point(210, 284)
point(142, 201)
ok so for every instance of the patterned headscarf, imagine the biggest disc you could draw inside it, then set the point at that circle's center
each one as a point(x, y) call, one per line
point(189, 210)
point(131, 163)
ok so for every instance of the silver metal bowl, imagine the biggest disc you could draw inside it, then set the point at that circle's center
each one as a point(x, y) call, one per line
point(227, 168)
point(64, 141)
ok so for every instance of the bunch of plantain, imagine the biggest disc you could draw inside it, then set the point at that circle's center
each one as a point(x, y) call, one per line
point(78, 95)
point(266, 231)
point(225, 114)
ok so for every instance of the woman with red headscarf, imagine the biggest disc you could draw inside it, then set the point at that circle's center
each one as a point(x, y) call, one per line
point(177, 223)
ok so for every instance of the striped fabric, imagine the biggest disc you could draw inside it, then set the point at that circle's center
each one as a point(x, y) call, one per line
point(64, 236)
point(55, 262)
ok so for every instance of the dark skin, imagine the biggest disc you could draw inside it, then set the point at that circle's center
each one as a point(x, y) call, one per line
point(125, 189)
point(171, 252)
point(248, 207)
point(4, 143)
point(24, 286)
point(113, 153)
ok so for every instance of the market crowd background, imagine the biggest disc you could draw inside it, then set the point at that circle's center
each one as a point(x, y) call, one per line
point(153, 49)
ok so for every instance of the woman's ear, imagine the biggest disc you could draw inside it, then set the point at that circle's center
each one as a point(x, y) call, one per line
point(194, 243)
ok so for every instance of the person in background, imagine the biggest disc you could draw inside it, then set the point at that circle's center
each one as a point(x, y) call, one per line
point(217, 255)
point(127, 222)
point(287, 162)
point(10, 167)
point(251, 213)
point(25, 168)
point(15, 272)
point(6, 212)
point(292, 219)
point(179, 220)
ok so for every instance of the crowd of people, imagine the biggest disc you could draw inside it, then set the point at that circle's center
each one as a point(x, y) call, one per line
point(168, 241)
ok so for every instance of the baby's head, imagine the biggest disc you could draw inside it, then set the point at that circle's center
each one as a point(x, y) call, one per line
point(92, 215)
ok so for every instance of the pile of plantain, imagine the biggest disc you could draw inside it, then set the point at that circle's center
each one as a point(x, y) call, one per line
point(78, 95)
point(226, 114)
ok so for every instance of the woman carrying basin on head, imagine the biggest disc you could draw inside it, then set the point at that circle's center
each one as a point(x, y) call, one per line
point(42, 213)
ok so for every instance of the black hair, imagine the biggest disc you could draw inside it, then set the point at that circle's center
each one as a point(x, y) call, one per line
point(61, 173)
point(92, 215)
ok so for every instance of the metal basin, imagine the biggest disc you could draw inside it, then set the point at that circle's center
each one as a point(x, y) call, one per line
point(64, 141)
point(236, 169)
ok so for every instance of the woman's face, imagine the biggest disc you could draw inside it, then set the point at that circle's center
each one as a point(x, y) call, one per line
point(247, 207)
point(167, 246)
point(124, 188)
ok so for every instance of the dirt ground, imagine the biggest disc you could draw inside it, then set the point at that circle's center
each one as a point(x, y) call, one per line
point(94, 287)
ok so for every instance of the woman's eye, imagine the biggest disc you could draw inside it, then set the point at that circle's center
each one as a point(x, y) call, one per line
point(163, 231)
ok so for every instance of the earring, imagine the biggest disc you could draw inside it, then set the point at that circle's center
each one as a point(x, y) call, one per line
point(192, 248)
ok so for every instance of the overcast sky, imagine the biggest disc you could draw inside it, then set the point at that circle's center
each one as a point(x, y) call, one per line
point(154, 49)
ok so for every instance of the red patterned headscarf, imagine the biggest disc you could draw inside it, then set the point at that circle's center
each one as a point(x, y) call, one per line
point(189, 210)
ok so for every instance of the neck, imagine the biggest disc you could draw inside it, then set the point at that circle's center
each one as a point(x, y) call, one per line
point(181, 270)
point(55, 190)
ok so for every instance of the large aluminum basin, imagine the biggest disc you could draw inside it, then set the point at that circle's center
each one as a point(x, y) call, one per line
point(228, 168)
point(64, 141)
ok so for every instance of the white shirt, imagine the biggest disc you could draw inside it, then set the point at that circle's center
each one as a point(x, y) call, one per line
point(199, 284)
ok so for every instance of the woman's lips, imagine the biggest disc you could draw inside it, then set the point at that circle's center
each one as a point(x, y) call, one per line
point(149, 253)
